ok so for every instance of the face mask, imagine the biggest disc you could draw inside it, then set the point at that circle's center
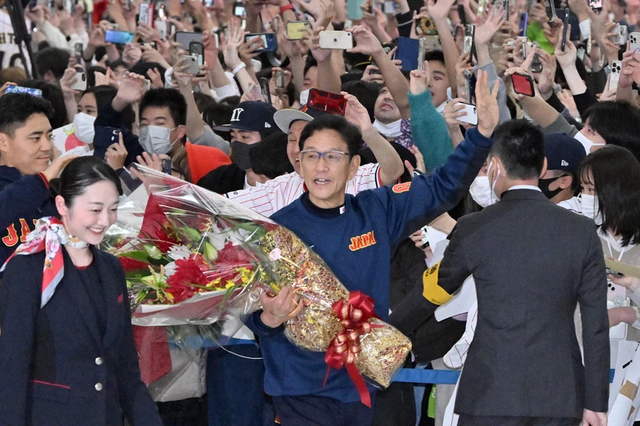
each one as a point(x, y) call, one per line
point(304, 97)
point(494, 197)
point(240, 154)
point(586, 142)
point(590, 207)
point(480, 191)
point(544, 184)
point(83, 127)
point(443, 105)
point(156, 139)
point(391, 130)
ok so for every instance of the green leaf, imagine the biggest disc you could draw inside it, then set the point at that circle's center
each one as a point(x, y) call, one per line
point(140, 256)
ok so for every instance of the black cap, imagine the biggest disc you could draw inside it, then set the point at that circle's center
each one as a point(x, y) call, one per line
point(252, 116)
point(563, 152)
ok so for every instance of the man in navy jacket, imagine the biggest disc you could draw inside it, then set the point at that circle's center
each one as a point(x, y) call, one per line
point(355, 235)
point(26, 151)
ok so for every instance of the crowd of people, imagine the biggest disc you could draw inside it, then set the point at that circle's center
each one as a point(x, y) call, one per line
point(475, 144)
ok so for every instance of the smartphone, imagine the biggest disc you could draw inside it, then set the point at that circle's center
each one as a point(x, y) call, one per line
point(296, 30)
point(79, 49)
point(522, 24)
point(238, 10)
point(28, 90)
point(621, 36)
point(407, 52)
point(161, 13)
point(185, 38)
point(422, 50)
point(595, 5)
point(336, 40)
point(145, 13)
point(207, 3)
point(462, 15)
point(614, 75)
point(506, 7)
point(523, 84)
point(333, 103)
point(551, 12)
point(197, 49)
point(565, 22)
point(472, 114)
point(470, 85)
point(269, 41)
point(389, 8)
point(581, 53)
point(192, 64)
point(469, 35)
point(147, 85)
point(634, 42)
point(161, 26)
point(432, 43)
point(280, 79)
point(265, 90)
point(118, 37)
point(166, 166)
point(68, 5)
point(523, 46)
point(81, 80)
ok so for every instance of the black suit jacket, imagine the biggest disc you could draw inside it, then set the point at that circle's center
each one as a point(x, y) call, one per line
point(532, 262)
point(55, 366)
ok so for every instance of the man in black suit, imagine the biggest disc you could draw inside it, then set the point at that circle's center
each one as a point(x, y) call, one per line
point(532, 262)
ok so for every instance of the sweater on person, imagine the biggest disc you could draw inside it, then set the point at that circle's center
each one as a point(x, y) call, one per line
point(23, 200)
point(356, 241)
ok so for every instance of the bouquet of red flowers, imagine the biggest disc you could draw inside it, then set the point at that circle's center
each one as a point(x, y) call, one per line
point(196, 258)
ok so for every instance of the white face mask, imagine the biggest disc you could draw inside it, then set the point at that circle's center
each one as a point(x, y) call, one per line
point(391, 130)
point(304, 97)
point(493, 195)
point(586, 142)
point(156, 139)
point(83, 127)
point(480, 191)
point(590, 207)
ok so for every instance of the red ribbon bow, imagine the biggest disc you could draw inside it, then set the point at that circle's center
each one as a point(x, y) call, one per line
point(354, 316)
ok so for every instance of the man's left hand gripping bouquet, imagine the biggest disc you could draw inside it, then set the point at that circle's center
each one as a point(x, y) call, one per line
point(195, 258)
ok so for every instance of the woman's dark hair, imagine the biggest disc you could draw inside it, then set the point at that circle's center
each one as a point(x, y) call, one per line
point(54, 95)
point(141, 68)
point(615, 175)
point(617, 122)
point(349, 133)
point(80, 174)
point(104, 95)
point(91, 74)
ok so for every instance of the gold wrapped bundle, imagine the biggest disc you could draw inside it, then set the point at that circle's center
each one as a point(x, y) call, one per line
point(381, 351)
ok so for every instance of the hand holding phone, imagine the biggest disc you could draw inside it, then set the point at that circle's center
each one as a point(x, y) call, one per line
point(471, 116)
point(565, 28)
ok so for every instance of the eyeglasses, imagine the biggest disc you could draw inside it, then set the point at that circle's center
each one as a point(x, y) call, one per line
point(331, 157)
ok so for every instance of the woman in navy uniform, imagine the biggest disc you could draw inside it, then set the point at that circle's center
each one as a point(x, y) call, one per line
point(67, 355)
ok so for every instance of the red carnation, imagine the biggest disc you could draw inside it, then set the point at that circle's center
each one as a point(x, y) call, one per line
point(233, 255)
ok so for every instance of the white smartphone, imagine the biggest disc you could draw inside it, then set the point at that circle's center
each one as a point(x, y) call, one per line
point(614, 76)
point(472, 114)
point(336, 40)
point(161, 26)
point(192, 64)
point(81, 83)
point(634, 39)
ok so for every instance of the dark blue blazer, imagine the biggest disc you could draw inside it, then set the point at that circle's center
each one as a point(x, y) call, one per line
point(55, 367)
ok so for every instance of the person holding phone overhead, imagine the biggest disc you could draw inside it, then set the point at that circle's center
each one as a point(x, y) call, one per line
point(67, 354)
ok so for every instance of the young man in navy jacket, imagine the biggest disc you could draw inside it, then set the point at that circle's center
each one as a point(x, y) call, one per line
point(26, 151)
point(356, 236)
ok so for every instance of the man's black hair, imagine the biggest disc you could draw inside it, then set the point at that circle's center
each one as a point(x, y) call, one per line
point(52, 59)
point(614, 173)
point(269, 157)
point(141, 68)
point(16, 108)
point(349, 133)
point(311, 62)
point(203, 100)
point(91, 74)
point(520, 146)
point(169, 98)
point(366, 93)
point(55, 97)
point(434, 55)
point(617, 122)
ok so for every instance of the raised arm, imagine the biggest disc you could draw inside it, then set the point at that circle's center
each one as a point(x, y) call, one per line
point(439, 12)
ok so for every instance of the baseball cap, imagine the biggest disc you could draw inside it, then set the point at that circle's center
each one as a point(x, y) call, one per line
point(285, 117)
point(252, 116)
point(563, 152)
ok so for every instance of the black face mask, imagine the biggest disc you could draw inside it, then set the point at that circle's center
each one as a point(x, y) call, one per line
point(240, 154)
point(544, 184)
